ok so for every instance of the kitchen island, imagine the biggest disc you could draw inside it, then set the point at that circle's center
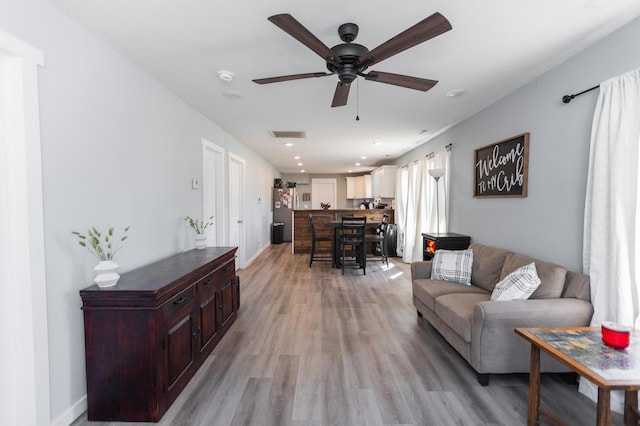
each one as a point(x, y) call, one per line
point(302, 234)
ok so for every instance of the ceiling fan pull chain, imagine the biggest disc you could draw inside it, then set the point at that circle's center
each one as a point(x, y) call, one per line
point(357, 100)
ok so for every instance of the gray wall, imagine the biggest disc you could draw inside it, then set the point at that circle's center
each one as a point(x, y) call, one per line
point(118, 149)
point(548, 224)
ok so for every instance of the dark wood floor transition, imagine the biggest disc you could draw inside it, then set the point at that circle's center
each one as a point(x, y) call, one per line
point(314, 347)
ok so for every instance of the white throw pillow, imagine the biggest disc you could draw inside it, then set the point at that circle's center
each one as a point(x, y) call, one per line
point(518, 285)
point(452, 265)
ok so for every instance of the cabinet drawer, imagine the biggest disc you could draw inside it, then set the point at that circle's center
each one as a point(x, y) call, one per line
point(206, 285)
point(215, 279)
point(226, 272)
point(178, 302)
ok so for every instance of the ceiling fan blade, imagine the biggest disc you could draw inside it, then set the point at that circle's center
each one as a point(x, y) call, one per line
point(290, 77)
point(416, 83)
point(424, 30)
point(341, 95)
point(295, 29)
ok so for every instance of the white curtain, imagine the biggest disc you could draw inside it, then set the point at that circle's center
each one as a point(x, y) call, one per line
point(416, 203)
point(402, 183)
point(611, 251)
point(611, 223)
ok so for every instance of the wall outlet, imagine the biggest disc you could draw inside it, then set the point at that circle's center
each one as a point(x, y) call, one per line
point(195, 183)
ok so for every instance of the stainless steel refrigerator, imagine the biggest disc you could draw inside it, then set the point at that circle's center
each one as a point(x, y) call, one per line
point(284, 201)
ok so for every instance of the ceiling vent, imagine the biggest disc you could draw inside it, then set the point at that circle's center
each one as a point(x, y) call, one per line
point(292, 134)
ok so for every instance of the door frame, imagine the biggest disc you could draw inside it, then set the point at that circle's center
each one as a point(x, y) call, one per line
point(25, 387)
point(216, 234)
point(241, 253)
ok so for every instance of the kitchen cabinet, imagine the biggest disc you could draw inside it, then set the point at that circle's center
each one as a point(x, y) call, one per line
point(359, 187)
point(368, 186)
point(384, 182)
point(351, 188)
point(147, 336)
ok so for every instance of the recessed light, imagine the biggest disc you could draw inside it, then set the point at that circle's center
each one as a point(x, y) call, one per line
point(297, 157)
point(377, 143)
point(226, 76)
point(456, 92)
point(288, 144)
point(357, 164)
point(302, 171)
point(364, 157)
point(299, 164)
point(349, 171)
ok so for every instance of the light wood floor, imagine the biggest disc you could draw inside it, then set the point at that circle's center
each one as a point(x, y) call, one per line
point(314, 347)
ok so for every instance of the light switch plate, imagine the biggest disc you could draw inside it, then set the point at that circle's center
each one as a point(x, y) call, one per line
point(195, 183)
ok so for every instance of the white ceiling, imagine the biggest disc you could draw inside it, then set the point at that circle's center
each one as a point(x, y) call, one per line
point(495, 47)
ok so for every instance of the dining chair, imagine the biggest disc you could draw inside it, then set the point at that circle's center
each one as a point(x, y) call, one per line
point(339, 216)
point(314, 241)
point(351, 240)
point(380, 241)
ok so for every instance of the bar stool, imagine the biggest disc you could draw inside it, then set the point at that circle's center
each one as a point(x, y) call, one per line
point(315, 239)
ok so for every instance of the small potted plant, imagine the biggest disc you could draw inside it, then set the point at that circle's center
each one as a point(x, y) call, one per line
point(104, 247)
point(199, 226)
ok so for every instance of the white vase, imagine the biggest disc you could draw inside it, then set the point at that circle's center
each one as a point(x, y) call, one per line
point(106, 273)
point(201, 241)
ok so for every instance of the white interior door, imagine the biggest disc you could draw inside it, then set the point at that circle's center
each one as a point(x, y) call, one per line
point(236, 206)
point(213, 189)
point(324, 190)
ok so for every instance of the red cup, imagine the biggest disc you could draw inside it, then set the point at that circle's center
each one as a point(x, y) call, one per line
point(615, 335)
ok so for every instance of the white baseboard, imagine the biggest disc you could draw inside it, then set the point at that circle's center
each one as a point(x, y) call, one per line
point(255, 256)
point(72, 413)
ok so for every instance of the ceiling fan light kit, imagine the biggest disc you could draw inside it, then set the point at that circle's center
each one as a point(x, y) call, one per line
point(349, 60)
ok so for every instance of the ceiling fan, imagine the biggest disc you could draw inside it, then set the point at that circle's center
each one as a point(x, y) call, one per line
point(350, 60)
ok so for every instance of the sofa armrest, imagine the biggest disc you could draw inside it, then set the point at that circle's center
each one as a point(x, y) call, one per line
point(421, 269)
point(494, 345)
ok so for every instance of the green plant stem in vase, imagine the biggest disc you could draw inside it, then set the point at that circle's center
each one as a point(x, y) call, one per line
point(104, 247)
point(199, 225)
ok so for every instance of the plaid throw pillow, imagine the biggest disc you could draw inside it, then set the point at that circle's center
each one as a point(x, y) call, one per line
point(452, 265)
point(518, 285)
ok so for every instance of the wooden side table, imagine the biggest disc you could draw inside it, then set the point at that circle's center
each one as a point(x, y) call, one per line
point(446, 241)
point(582, 350)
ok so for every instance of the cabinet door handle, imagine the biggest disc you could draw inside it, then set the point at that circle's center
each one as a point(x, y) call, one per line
point(220, 306)
point(181, 300)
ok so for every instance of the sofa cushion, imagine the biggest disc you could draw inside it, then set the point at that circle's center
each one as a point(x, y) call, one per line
point(427, 291)
point(487, 265)
point(577, 286)
point(456, 310)
point(452, 265)
point(518, 285)
point(552, 276)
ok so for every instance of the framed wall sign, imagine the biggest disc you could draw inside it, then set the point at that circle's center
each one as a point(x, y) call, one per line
point(501, 169)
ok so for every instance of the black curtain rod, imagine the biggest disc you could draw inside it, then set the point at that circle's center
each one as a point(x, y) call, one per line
point(567, 98)
point(432, 154)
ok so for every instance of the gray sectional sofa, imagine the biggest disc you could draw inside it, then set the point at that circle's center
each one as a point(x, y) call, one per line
point(481, 330)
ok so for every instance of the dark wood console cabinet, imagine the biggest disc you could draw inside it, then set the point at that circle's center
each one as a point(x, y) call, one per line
point(148, 335)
